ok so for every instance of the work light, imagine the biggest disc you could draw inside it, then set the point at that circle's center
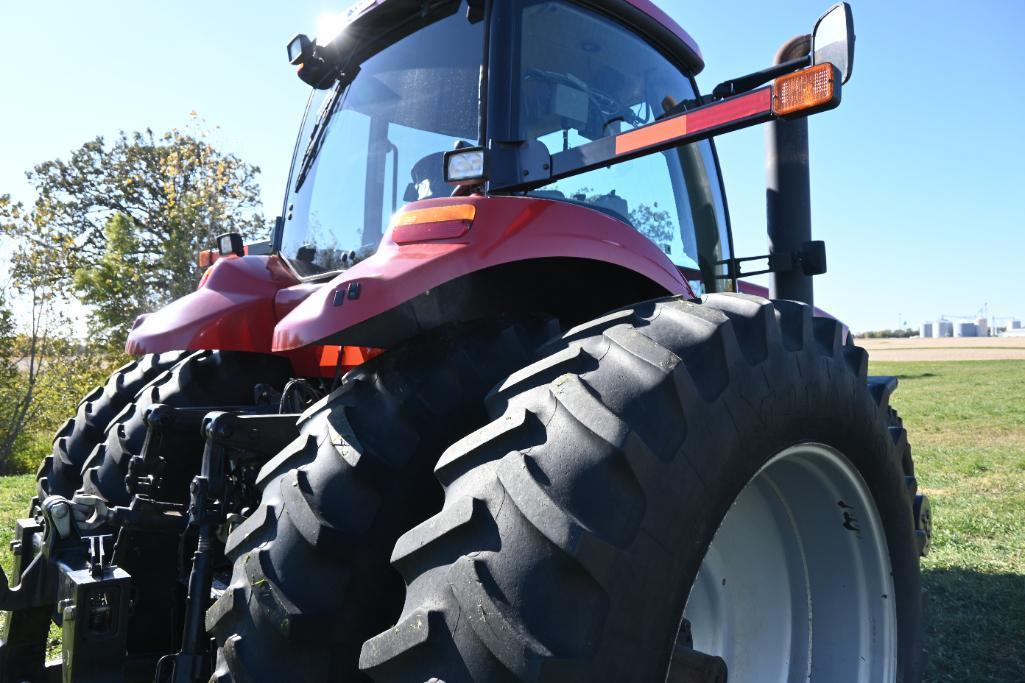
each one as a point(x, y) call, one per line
point(464, 166)
point(231, 243)
point(300, 49)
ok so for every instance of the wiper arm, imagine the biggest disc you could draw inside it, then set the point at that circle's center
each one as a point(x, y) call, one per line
point(319, 130)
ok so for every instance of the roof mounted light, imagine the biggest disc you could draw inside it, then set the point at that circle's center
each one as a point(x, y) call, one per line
point(465, 166)
point(231, 243)
point(314, 68)
point(300, 49)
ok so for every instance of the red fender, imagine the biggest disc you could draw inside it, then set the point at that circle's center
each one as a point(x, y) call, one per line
point(256, 303)
point(233, 310)
point(503, 230)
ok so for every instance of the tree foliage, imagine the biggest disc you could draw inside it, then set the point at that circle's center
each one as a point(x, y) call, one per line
point(116, 226)
point(115, 284)
point(650, 220)
point(654, 223)
point(42, 377)
point(122, 222)
point(888, 334)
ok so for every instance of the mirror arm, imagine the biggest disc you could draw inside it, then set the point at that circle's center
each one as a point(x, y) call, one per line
point(751, 81)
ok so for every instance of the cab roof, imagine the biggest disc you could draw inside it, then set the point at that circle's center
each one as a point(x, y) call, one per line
point(658, 26)
point(644, 15)
point(656, 13)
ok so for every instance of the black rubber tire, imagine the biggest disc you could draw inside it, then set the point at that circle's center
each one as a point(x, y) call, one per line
point(312, 578)
point(203, 378)
point(574, 524)
point(60, 473)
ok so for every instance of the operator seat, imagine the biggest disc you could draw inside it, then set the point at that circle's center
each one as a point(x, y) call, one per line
point(428, 179)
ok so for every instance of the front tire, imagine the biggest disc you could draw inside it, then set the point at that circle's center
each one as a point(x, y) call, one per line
point(209, 379)
point(576, 524)
point(61, 472)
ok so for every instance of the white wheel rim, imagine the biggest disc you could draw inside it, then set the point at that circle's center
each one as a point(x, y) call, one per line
point(796, 584)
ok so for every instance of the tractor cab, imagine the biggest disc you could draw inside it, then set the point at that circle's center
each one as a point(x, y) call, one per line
point(511, 83)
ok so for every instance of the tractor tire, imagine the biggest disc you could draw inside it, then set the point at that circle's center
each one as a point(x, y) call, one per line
point(203, 378)
point(211, 379)
point(673, 496)
point(312, 578)
point(61, 472)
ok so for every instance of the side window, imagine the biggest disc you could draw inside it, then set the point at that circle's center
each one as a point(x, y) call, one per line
point(585, 77)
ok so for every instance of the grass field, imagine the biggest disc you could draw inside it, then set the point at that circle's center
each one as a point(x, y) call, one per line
point(966, 422)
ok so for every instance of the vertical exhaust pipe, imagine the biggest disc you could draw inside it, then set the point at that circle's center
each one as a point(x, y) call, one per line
point(788, 189)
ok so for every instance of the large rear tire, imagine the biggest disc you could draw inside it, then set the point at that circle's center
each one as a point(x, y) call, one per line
point(60, 473)
point(576, 525)
point(312, 579)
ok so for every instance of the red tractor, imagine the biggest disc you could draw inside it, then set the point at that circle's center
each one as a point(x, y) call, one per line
point(491, 404)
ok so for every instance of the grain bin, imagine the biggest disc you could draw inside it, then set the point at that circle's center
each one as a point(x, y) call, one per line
point(964, 328)
point(944, 328)
point(982, 327)
point(925, 331)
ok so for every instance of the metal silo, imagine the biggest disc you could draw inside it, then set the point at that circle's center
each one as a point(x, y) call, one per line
point(964, 328)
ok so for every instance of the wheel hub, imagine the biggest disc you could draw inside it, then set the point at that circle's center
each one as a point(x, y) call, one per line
point(796, 584)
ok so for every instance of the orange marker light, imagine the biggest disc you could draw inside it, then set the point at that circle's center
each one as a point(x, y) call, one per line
point(804, 89)
point(436, 223)
point(435, 214)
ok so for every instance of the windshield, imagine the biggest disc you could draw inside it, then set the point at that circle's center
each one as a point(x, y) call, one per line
point(380, 141)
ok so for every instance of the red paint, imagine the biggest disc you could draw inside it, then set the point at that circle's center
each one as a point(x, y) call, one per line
point(427, 232)
point(733, 109)
point(244, 303)
point(288, 298)
point(709, 116)
point(656, 13)
point(506, 229)
point(233, 310)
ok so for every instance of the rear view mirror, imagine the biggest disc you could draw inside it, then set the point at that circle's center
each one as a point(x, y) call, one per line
point(833, 39)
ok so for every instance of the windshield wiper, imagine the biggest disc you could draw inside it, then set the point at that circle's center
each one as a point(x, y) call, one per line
point(320, 128)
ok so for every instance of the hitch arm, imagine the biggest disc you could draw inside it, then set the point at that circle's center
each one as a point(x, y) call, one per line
point(28, 592)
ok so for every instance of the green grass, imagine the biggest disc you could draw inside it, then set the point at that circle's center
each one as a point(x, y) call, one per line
point(966, 422)
point(15, 494)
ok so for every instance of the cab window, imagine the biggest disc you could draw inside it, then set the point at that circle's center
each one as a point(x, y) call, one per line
point(584, 77)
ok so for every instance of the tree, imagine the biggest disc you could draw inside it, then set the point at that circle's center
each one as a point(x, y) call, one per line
point(654, 223)
point(648, 219)
point(115, 284)
point(9, 381)
point(121, 224)
point(42, 376)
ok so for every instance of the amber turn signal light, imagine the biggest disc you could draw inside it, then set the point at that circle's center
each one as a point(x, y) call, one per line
point(811, 88)
point(435, 214)
point(436, 223)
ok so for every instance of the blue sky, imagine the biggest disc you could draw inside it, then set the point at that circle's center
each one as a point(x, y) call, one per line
point(918, 179)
